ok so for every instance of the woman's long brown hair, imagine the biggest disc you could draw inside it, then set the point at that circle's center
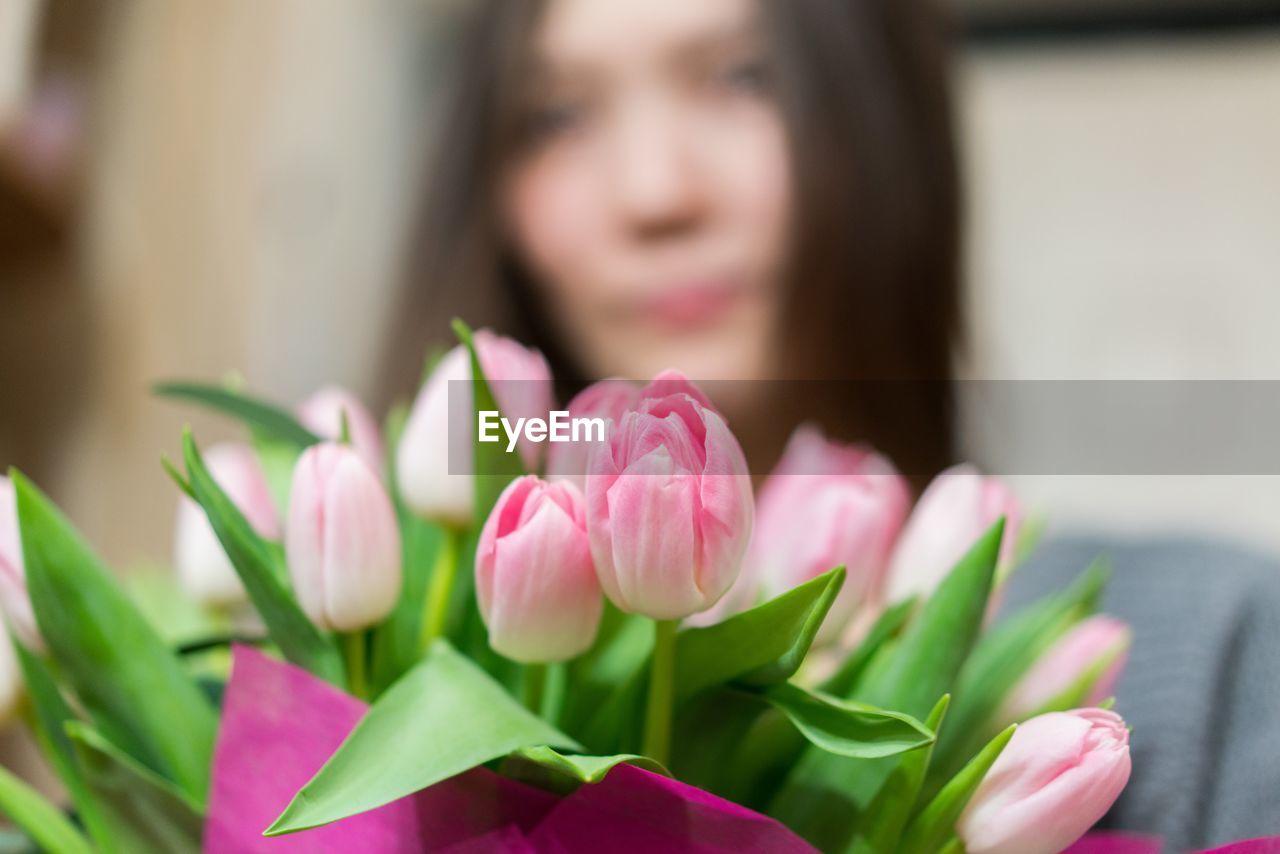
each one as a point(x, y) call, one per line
point(873, 292)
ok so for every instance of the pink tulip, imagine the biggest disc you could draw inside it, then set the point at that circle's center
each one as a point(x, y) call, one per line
point(433, 462)
point(535, 582)
point(669, 504)
point(827, 505)
point(204, 570)
point(342, 542)
point(608, 399)
point(14, 601)
point(322, 414)
point(1099, 641)
point(952, 514)
point(1055, 778)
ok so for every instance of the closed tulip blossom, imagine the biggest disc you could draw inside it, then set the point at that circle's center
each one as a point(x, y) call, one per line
point(1099, 644)
point(342, 541)
point(607, 399)
point(433, 460)
point(323, 414)
point(1056, 777)
point(204, 570)
point(669, 504)
point(825, 505)
point(14, 601)
point(956, 509)
point(535, 582)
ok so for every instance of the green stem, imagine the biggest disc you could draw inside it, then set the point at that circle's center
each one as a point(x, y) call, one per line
point(657, 723)
point(355, 651)
point(440, 588)
point(535, 685)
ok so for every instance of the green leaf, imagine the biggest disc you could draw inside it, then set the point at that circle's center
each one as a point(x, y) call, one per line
point(762, 646)
point(262, 417)
point(931, 829)
point(893, 804)
point(144, 811)
point(442, 718)
point(886, 626)
point(51, 714)
point(259, 565)
point(938, 643)
point(494, 467)
point(848, 729)
point(824, 794)
point(39, 819)
point(562, 773)
point(132, 685)
point(1001, 658)
point(622, 648)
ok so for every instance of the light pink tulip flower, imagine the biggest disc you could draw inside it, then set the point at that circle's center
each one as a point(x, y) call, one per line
point(1098, 641)
point(1056, 777)
point(204, 570)
point(669, 504)
point(14, 601)
point(826, 504)
point(810, 522)
point(433, 461)
point(607, 399)
point(342, 541)
point(956, 509)
point(535, 582)
point(322, 414)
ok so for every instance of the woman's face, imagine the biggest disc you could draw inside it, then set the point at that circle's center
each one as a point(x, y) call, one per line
point(650, 193)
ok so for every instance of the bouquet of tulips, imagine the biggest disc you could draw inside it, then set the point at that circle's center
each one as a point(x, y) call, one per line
point(616, 645)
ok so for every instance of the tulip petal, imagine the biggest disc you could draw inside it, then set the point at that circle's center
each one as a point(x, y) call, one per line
point(654, 544)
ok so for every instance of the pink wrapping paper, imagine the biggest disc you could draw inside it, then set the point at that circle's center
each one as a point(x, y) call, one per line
point(1116, 843)
point(280, 724)
point(1269, 845)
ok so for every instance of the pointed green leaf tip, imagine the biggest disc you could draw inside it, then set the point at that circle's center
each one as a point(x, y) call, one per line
point(260, 570)
point(441, 718)
point(128, 680)
point(760, 647)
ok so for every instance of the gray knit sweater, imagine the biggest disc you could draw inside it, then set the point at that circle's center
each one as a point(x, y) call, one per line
point(1202, 686)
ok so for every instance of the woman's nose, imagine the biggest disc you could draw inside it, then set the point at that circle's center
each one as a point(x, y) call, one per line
point(653, 170)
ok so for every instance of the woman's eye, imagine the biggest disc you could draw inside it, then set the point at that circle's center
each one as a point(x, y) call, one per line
point(544, 123)
point(748, 77)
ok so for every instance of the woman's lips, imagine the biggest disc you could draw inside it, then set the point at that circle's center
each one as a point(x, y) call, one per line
point(691, 306)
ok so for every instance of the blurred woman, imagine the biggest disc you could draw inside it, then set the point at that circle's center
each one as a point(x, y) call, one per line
point(745, 190)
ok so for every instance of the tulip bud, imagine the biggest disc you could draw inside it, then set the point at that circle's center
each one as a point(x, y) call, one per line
point(957, 508)
point(1099, 644)
point(342, 541)
point(608, 399)
point(323, 413)
point(535, 582)
point(1056, 777)
point(521, 383)
point(12, 686)
point(204, 569)
point(827, 505)
point(669, 504)
point(14, 601)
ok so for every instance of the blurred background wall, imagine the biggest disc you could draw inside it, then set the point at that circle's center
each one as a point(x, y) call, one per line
point(1124, 184)
point(193, 188)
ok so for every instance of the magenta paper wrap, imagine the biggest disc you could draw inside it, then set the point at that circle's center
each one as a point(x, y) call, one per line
point(1116, 843)
point(1269, 845)
point(279, 725)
